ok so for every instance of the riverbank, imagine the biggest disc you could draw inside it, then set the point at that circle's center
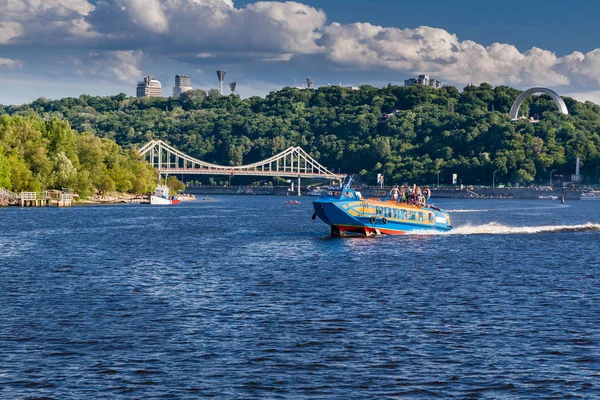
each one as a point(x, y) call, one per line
point(470, 192)
point(94, 200)
point(122, 198)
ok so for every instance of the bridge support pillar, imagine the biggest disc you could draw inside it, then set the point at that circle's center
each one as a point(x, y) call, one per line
point(299, 193)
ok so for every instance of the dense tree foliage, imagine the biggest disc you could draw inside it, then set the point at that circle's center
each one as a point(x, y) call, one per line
point(468, 133)
point(37, 155)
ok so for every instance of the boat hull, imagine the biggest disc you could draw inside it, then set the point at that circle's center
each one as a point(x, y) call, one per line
point(155, 200)
point(374, 217)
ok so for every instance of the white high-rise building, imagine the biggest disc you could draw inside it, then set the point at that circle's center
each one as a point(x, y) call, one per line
point(149, 88)
point(182, 84)
point(423, 80)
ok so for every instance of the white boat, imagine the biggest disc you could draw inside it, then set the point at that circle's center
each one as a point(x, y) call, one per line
point(161, 196)
point(594, 195)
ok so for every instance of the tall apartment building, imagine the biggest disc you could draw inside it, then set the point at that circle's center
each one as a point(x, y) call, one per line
point(182, 84)
point(423, 80)
point(149, 88)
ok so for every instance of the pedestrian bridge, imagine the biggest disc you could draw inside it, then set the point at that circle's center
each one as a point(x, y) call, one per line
point(290, 163)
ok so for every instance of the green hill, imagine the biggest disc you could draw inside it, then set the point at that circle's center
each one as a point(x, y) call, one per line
point(468, 133)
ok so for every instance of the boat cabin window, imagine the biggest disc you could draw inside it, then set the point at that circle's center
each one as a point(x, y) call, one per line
point(333, 193)
point(379, 210)
point(430, 217)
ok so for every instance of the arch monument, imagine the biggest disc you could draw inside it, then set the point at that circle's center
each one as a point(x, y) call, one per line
point(514, 110)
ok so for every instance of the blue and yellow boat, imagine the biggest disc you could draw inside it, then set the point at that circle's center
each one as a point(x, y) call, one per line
point(348, 213)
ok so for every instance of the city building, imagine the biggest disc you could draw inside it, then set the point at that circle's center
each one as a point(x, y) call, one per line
point(423, 80)
point(149, 88)
point(182, 84)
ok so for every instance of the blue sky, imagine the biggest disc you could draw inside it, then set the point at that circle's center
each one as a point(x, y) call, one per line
point(58, 48)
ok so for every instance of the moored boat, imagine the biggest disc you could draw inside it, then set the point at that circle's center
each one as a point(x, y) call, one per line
point(593, 195)
point(348, 213)
point(161, 196)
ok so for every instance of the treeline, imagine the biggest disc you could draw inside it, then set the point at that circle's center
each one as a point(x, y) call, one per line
point(428, 131)
point(37, 155)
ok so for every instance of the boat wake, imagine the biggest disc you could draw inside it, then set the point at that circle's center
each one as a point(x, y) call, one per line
point(466, 211)
point(495, 228)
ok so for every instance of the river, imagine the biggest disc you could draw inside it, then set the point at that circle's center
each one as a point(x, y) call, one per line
point(247, 297)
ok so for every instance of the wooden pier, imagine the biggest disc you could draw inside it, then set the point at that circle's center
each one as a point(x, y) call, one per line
point(65, 199)
point(33, 199)
point(36, 199)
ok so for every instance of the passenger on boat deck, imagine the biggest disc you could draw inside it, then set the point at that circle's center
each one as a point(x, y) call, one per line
point(402, 197)
point(427, 193)
point(394, 193)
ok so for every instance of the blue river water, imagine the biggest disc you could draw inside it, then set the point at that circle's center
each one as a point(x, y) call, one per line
point(247, 297)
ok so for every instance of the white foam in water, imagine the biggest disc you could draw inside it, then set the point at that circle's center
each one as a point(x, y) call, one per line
point(495, 228)
point(465, 211)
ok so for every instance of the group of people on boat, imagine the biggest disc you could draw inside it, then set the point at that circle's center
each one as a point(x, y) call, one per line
point(411, 195)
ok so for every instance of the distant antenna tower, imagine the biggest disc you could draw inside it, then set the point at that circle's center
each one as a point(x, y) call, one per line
point(232, 87)
point(310, 82)
point(221, 75)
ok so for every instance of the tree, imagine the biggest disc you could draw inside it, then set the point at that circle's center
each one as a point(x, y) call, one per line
point(175, 185)
point(64, 171)
point(4, 170)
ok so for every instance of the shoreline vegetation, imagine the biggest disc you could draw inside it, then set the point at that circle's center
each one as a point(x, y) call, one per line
point(39, 155)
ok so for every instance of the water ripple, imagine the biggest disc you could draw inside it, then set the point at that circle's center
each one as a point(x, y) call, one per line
point(248, 298)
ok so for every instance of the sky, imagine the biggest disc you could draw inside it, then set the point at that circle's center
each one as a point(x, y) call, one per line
point(61, 48)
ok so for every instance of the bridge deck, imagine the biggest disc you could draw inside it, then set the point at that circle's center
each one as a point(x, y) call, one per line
point(236, 172)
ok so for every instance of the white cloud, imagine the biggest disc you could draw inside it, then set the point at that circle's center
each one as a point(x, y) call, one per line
point(440, 53)
point(54, 8)
point(117, 65)
point(593, 96)
point(286, 27)
point(122, 32)
point(189, 28)
point(9, 30)
point(43, 20)
point(148, 14)
point(10, 63)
